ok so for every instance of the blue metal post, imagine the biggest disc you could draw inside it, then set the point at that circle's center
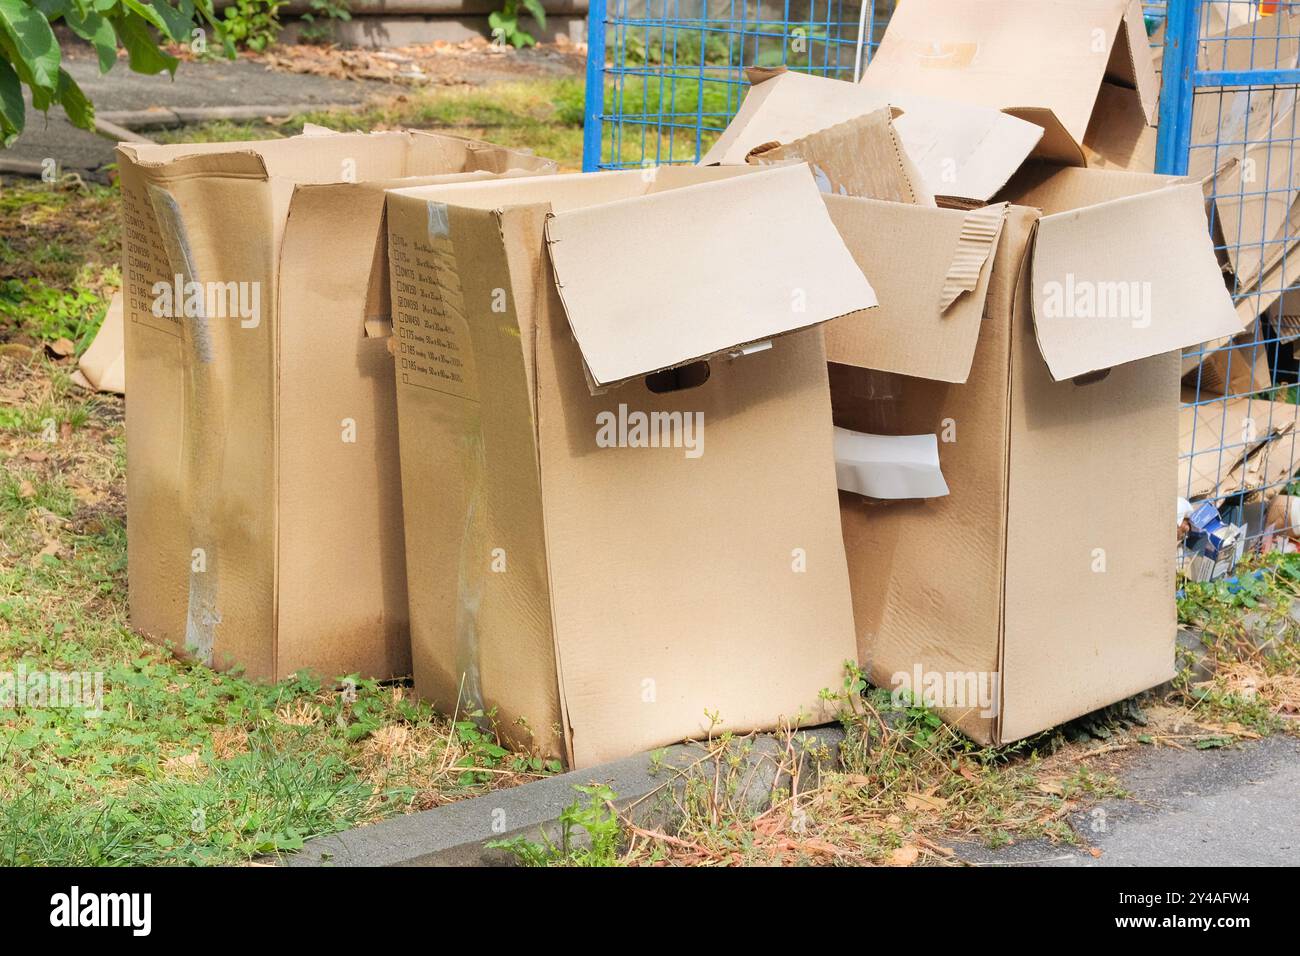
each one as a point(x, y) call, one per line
point(1174, 139)
point(595, 92)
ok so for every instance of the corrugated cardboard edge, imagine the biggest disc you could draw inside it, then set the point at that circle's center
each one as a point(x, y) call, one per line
point(979, 236)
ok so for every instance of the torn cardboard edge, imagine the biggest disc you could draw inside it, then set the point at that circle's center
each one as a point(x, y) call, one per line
point(888, 466)
point(979, 237)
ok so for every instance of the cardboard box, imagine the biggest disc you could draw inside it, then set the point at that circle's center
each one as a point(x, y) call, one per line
point(1238, 365)
point(598, 595)
point(264, 509)
point(1043, 62)
point(963, 154)
point(1041, 587)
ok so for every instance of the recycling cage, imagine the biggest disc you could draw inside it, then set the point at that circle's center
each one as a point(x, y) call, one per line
point(665, 76)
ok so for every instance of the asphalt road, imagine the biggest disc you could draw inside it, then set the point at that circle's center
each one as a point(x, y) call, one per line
point(1226, 807)
point(216, 83)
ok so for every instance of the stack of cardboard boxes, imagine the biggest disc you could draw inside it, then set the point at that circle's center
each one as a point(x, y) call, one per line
point(623, 402)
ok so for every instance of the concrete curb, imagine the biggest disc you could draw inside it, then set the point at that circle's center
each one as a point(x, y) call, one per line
point(166, 118)
point(119, 133)
point(455, 834)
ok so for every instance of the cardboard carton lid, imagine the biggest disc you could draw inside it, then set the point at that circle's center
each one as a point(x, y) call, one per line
point(931, 269)
point(1122, 268)
point(961, 151)
point(656, 281)
point(1042, 61)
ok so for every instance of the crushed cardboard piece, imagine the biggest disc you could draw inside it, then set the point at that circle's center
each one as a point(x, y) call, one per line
point(1238, 365)
point(963, 153)
point(979, 235)
point(1228, 446)
point(888, 466)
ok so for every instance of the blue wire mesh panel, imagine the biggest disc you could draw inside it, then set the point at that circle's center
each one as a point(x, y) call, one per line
point(1234, 126)
point(665, 76)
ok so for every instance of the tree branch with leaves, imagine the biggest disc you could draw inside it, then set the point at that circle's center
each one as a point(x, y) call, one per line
point(30, 55)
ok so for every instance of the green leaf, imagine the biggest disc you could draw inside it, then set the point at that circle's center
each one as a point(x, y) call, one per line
point(33, 41)
point(535, 8)
point(99, 32)
point(179, 20)
point(141, 47)
point(53, 9)
point(74, 102)
point(12, 112)
point(146, 12)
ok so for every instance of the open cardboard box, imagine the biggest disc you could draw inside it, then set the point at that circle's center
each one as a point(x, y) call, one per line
point(1051, 381)
point(1046, 63)
point(264, 510)
point(601, 596)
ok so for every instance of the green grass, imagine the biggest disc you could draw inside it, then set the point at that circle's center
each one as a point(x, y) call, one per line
point(59, 249)
point(545, 116)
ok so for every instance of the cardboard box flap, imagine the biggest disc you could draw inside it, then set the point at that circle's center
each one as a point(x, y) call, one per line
point(1055, 144)
point(1017, 55)
point(642, 293)
point(931, 271)
point(1131, 62)
point(1125, 279)
point(1119, 136)
point(960, 150)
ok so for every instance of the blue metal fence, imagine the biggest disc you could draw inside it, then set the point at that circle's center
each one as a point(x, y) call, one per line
point(665, 75)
